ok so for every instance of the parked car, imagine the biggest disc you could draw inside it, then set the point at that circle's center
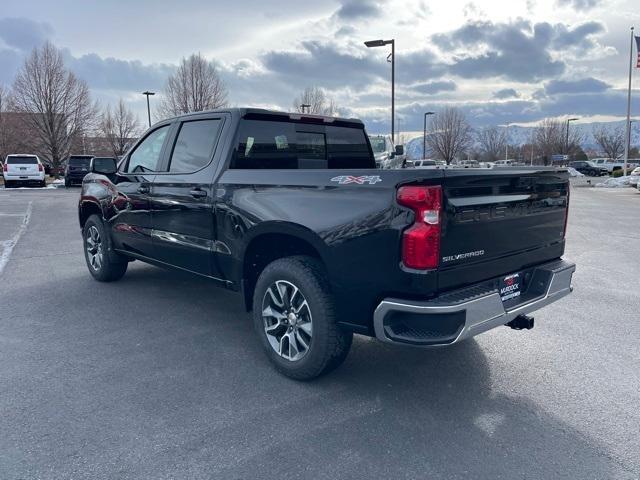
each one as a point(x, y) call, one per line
point(77, 167)
point(293, 214)
point(504, 163)
point(611, 164)
point(588, 168)
point(468, 164)
point(634, 176)
point(424, 163)
point(387, 154)
point(23, 169)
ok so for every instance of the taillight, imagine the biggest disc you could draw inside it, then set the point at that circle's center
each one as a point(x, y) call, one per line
point(421, 241)
point(40, 167)
point(5, 168)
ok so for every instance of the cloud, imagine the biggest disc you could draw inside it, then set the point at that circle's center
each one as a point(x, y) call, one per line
point(516, 50)
point(434, 87)
point(583, 85)
point(23, 33)
point(505, 93)
point(358, 9)
point(115, 74)
point(579, 5)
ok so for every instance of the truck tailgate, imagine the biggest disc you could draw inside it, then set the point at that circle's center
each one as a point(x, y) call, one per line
point(500, 221)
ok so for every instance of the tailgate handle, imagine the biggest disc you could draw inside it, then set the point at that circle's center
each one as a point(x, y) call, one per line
point(198, 193)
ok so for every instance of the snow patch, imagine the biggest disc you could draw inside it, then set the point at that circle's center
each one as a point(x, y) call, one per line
point(619, 182)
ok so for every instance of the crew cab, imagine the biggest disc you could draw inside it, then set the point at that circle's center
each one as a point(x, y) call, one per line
point(23, 169)
point(290, 211)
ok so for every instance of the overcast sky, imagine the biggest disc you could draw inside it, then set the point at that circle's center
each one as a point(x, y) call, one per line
point(513, 61)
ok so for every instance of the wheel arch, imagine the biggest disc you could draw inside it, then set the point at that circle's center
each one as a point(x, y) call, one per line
point(88, 208)
point(272, 241)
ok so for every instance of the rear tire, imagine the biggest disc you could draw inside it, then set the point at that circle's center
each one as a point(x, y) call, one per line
point(293, 302)
point(7, 184)
point(67, 183)
point(104, 265)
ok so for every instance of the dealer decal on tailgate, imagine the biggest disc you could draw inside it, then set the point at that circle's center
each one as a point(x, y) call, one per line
point(510, 287)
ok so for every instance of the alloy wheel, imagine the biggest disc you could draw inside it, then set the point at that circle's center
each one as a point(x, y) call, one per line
point(94, 248)
point(287, 320)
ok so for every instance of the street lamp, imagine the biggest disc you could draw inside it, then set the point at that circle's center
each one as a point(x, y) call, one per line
point(424, 138)
point(566, 143)
point(506, 143)
point(303, 106)
point(147, 93)
point(382, 43)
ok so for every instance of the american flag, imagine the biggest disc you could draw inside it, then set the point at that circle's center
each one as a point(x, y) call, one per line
point(638, 48)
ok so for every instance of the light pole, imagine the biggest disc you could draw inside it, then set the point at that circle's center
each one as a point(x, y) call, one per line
point(566, 142)
point(147, 93)
point(382, 43)
point(303, 106)
point(424, 138)
point(628, 140)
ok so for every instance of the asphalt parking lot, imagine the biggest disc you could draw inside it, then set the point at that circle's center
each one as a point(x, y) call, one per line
point(160, 375)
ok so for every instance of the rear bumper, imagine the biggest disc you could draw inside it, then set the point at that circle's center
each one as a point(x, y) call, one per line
point(32, 177)
point(465, 313)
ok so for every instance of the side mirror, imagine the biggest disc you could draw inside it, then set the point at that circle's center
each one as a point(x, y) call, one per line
point(104, 166)
point(399, 149)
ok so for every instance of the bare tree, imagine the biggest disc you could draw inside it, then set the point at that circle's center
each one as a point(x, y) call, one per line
point(56, 104)
point(551, 138)
point(120, 127)
point(450, 133)
point(492, 142)
point(611, 140)
point(4, 133)
point(318, 101)
point(195, 86)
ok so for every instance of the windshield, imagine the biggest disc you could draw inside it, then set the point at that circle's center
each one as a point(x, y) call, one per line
point(21, 160)
point(80, 161)
point(378, 145)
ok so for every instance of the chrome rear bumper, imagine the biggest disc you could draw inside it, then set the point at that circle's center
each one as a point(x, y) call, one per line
point(465, 313)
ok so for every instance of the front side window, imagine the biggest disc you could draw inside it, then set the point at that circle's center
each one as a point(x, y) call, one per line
point(146, 156)
point(194, 145)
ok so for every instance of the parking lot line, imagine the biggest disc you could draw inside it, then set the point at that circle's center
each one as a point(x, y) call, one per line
point(8, 245)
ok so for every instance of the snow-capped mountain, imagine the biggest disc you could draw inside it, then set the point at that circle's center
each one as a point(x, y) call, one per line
point(520, 135)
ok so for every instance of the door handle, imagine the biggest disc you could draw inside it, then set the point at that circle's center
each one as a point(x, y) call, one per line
point(143, 189)
point(198, 193)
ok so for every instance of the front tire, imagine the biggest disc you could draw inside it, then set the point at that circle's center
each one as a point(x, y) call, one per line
point(103, 264)
point(294, 317)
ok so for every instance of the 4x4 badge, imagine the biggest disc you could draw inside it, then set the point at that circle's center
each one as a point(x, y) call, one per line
point(346, 179)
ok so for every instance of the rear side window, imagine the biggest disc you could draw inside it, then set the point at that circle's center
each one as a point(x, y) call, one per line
point(194, 145)
point(287, 145)
point(21, 160)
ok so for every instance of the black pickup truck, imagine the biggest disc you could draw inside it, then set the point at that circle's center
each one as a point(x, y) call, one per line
point(289, 210)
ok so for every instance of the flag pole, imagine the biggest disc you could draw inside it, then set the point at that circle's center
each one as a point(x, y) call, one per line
point(627, 138)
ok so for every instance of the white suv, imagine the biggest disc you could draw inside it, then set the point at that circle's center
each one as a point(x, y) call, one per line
point(26, 169)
